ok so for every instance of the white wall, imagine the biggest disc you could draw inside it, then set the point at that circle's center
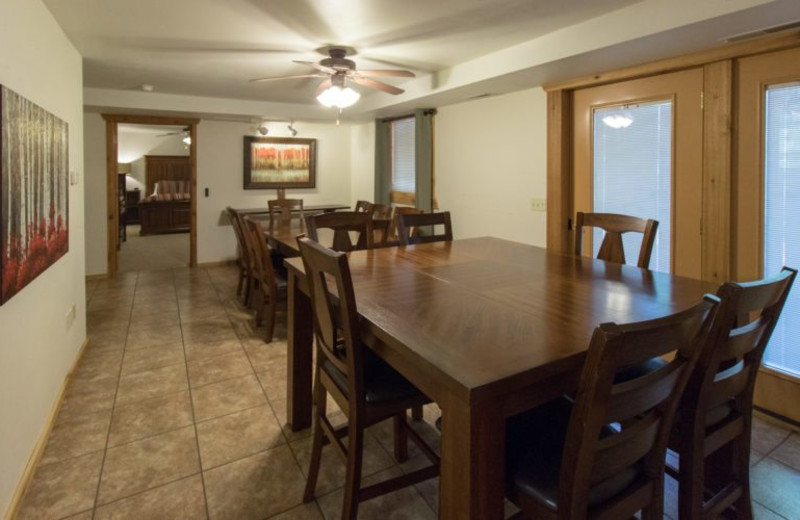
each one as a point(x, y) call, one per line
point(36, 348)
point(94, 156)
point(362, 158)
point(219, 168)
point(490, 161)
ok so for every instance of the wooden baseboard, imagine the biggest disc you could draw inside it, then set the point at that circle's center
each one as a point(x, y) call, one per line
point(217, 264)
point(41, 443)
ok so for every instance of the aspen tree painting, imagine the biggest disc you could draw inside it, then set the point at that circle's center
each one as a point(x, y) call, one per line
point(34, 188)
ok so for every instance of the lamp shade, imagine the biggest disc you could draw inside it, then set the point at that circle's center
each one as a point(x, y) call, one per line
point(339, 97)
point(124, 167)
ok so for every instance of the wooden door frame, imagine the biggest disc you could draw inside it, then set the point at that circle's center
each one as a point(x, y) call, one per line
point(112, 202)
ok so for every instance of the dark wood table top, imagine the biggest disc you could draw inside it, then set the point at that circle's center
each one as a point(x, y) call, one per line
point(484, 316)
point(313, 208)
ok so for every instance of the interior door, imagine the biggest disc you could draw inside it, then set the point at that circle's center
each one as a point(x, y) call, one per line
point(766, 209)
point(637, 150)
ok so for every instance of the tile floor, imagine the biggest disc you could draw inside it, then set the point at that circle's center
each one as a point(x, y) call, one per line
point(176, 411)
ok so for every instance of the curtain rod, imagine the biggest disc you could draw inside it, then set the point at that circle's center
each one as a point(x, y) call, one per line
point(427, 112)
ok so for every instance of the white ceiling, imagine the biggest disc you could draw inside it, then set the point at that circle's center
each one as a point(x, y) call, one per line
point(458, 48)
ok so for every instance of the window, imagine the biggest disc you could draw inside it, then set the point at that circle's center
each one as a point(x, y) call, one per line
point(781, 215)
point(632, 156)
point(403, 158)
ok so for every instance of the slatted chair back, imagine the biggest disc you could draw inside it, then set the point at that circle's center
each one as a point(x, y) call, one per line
point(380, 211)
point(718, 404)
point(283, 208)
point(642, 409)
point(392, 234)
point(335, 324)
point(243, 257)
point(421, 228)
point(611, 249)
point(362, 206)
point(344, 225)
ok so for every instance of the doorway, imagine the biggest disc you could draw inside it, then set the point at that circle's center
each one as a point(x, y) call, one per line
point(116, 201)
point(637, 150)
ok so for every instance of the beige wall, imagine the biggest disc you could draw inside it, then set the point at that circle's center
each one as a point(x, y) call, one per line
point(362, 157)
point(490, 162)
point(94, 156)
point(36, 347)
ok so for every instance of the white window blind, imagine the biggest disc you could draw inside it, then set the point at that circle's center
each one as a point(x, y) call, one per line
point(782, 214)
point(633, 172)
point(403, 170)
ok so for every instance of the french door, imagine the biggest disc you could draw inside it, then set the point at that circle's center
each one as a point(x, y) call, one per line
point(637, 150)
point(766, 213)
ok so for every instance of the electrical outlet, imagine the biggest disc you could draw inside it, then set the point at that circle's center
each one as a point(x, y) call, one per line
point(70, 317)
point(538, 204)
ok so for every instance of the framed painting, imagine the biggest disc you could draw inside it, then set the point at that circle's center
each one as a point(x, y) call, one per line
point(34, 191)
point(279, 162)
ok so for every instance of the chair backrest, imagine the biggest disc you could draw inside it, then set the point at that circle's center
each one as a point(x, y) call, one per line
point(343, 224)
point(420, 228)
point(335, 313)
point(283, 208)
point(261, 254)
point(362, 206)
point(630, 454)
point(400, 210)
point(380, 211)
point(724, 379)
point(611, 249)
point(236, 224)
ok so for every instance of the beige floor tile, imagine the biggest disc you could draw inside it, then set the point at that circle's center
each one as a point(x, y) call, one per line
point(141, 465)
point(108, 337)
point(151, 358)
point(86, 515)
point(62, 489)
point(219, 368)
point(266, 356)
point(257, 487)
point(238, 435)
point(278, 404)
point(404, 504)
point(75, 436)
point(205, 349)
point(305, 512)
point(150, 417)
point(332, 469)
point(181, 500)
point(762, 513)
point(767, 436)
point(88, 396)
point(98, 364)
point(152, 383)
point(208, 330)
point(788, 452)
point(144, 337)
point(429, 489)
point(225, 397)
point(776, 486)
point(166, 318)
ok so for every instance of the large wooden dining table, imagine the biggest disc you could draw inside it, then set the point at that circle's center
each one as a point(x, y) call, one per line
point(487, 328)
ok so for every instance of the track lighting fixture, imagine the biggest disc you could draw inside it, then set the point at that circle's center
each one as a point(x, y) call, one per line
point(292, 129)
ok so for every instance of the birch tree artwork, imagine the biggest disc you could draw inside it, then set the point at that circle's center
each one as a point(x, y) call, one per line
point(34, 186)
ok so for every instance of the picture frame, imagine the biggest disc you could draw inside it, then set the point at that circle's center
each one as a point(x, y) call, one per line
point(279, 163)
point(34, 191)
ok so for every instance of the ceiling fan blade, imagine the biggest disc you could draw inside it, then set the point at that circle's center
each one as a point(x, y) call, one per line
point(385, 87)
point(322, 68)
point(322, 86)
point(388, 72)
point(289, 77)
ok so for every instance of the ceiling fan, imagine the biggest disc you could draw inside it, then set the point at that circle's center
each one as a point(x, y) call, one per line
point(187, 138)
point(338, 68)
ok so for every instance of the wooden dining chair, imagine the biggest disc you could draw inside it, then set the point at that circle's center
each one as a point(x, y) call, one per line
point(421, 228)
point(362, 206)
point(712, 432)
point(344, 225)
point(243, 256)
point(268, 287)
point(365, 387)
point(601, 456)
point(611, 249)
point(392, 237)
point(283, 208)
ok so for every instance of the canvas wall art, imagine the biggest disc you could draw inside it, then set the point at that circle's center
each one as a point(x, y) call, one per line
point(279, 162)
point(34, 190)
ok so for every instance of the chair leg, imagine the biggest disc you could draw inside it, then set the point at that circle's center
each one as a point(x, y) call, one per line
point(316, 446)
point(355, 452)
point(741, 469)
point(270, 320)
point(400, 438)
point(260, 308)
point(655, 510)
point(691, 484)
point(240, 285)
point(416, 413)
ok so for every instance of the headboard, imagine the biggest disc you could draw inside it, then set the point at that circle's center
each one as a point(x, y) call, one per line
point(166, 168)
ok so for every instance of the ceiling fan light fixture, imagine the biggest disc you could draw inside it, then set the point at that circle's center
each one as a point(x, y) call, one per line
point(338, 97)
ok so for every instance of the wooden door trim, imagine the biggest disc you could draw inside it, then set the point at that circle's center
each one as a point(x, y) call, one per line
point(112, 204)
point(559, 171)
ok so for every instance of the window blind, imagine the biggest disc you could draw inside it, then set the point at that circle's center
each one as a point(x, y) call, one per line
point(403, 170)
point(782, 214)
point(633, 173)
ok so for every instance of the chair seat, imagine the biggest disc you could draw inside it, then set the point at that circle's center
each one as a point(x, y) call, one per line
point(534, 447)
point(382, 383)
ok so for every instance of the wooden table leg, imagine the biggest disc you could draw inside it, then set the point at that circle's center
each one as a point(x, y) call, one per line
point(300, 344)
point(472, 476)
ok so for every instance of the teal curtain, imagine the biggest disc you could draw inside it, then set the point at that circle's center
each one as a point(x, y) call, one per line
point(423, 150)
point(383, 161)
